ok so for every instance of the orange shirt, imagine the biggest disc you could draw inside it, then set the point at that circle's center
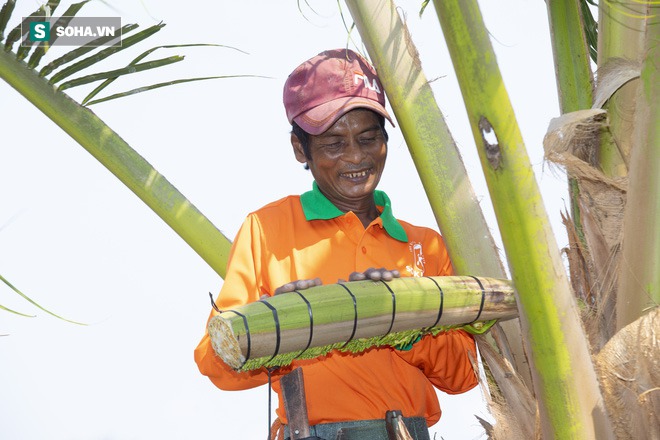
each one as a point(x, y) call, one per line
point(303, 237)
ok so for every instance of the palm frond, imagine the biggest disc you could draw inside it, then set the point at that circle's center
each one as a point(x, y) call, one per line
point(590, 28)
point(43, 47)
point(47, 9)
point(16, 33)
point(15, 312)
point(425, 3)
point(118, 72)
point(143, 55)
point(164, 84)
point(105, 53)
point(5, 13)
point(11, 286)
point(69, 68)
point(77, 53)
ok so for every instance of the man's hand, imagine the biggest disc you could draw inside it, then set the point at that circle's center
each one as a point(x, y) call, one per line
point(374, 275)
point(369, 274)
point(298, 285)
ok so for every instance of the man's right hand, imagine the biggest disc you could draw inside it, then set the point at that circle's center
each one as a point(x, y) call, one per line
point(298, 285)
point(375, 275)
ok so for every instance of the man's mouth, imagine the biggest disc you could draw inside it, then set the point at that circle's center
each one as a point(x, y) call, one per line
point(356, 174)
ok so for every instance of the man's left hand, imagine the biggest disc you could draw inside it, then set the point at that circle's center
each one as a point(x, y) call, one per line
point(374, 275)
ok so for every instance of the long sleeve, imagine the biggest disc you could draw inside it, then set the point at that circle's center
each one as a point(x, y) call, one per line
point(445, 360)
point(242, 285)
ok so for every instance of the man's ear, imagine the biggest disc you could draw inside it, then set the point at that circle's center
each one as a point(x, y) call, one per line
point(298, 149)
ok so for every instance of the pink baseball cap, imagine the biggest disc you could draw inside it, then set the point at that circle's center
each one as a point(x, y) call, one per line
point(324, 88)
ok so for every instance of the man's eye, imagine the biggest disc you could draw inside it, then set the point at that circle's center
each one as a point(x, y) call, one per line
point(332, 146)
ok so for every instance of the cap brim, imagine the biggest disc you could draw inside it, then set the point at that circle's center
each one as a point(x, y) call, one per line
point(317, 120)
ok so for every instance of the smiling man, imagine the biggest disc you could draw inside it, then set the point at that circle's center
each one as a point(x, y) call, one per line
point(344, 228)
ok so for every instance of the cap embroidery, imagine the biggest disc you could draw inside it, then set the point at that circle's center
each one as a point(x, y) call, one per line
point(361, 76)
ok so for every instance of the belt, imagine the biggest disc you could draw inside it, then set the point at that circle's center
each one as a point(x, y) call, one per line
point(365, 429)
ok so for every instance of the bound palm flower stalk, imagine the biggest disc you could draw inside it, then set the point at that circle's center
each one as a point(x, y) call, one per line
point(355, 316)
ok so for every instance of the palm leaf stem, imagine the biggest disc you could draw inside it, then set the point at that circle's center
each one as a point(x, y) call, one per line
point(621, 35)
point(574, 76)
point(639, 288)
point(565, 383)
point(124, 162)
point(434, 153)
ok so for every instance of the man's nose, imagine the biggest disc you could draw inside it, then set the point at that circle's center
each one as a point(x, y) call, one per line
point(353, 152)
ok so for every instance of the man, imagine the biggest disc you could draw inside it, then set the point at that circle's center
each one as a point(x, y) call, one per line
point(343, 228)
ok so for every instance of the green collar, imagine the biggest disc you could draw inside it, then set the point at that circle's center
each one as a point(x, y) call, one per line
point(316, 206)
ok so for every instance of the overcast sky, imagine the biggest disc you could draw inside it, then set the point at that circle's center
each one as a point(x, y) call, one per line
point(80, 243)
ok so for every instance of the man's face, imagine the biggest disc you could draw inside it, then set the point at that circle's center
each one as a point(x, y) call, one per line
point(348, 159)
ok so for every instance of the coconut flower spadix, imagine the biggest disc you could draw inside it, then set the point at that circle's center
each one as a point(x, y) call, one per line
point(355, 316)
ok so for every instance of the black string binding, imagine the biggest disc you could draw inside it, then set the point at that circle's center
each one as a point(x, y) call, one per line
point(311, 323)
point(213, 303)
point(442, 302)
point(393, 307)
point(355, 318)
point(483, 298)
point(277, 329)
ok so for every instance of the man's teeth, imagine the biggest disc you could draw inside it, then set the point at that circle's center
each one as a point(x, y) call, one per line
point(356, 175)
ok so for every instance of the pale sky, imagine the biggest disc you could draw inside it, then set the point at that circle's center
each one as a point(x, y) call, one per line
point(80, 243)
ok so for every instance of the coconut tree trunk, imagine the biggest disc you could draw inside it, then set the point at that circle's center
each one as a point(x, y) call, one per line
point(570, 402)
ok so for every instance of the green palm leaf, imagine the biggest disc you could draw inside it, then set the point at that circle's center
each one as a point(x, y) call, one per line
point(105, 53)
point(15, 34)
point(155, 86)
point(11, 286)
point(122, 160)
point(5, 13)
point(43, 47)
point(76, 53)
point(15, 312)
point(118, 72)
point(159, 85)
point(46, 10)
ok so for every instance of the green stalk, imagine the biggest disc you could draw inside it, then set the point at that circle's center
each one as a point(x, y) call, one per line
point(569, 398)
point(621, 35)
point(574, 76)
point(124, 162)
point(640, 269)
point(356, 316)
point(571, 55)
point(433, 150)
